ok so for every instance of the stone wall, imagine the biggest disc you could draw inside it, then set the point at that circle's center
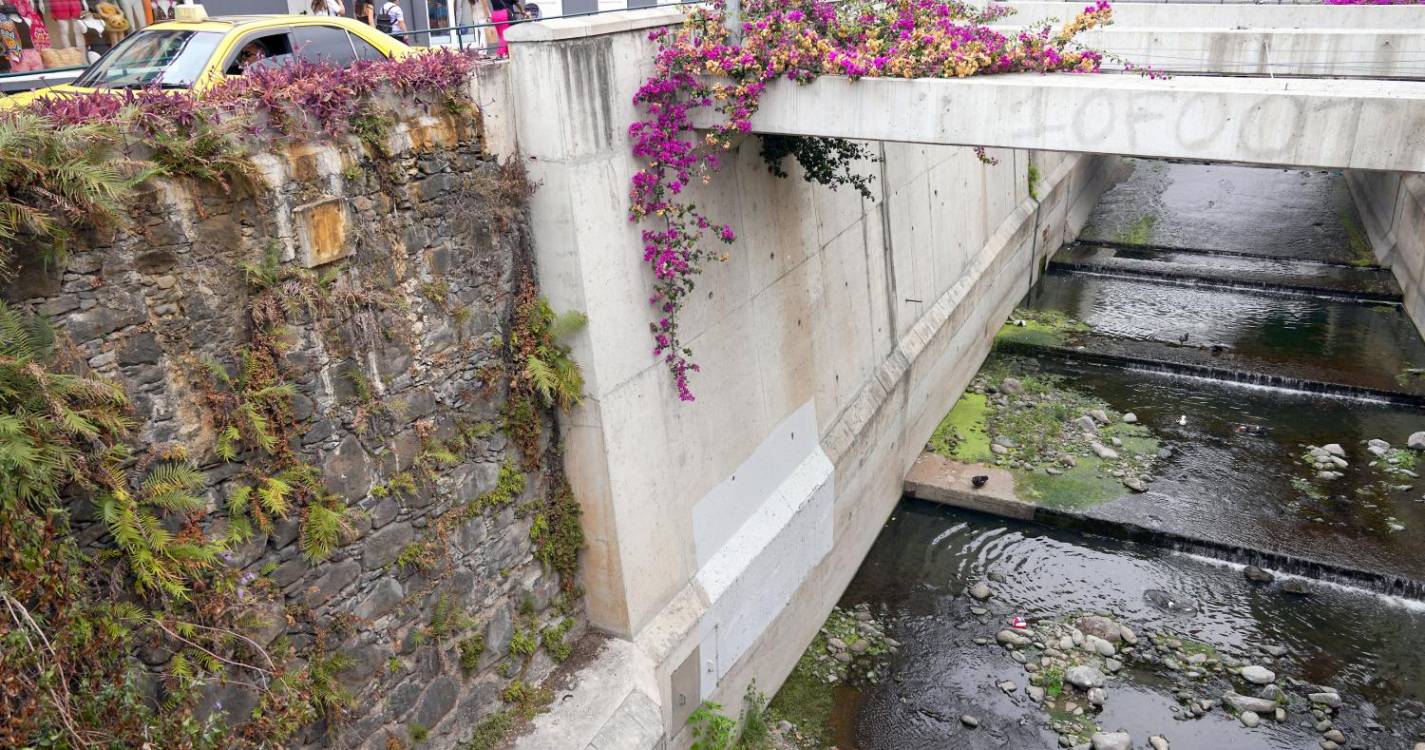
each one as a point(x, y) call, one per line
point(392, 282)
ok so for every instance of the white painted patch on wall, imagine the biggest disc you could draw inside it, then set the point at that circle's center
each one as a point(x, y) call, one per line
point(721, 512)
point(772, 525)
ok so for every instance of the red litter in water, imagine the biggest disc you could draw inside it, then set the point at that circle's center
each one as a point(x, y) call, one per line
point(1018, 623)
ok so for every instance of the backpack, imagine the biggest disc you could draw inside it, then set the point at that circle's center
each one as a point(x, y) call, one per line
point(384, 21)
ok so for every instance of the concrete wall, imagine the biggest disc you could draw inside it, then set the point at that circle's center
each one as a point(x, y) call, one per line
point(1392, 208)
point(833, 339)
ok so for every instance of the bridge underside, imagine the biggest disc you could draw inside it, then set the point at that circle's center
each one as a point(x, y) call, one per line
point(1340, 124)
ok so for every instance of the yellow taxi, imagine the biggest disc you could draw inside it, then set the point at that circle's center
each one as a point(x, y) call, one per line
point(197, 54)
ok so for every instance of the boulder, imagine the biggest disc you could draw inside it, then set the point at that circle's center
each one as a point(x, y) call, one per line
point(980, 590)
point(1158, 743)
point(1010, 638)
point(1416, 441)
point(1326, 699)
point(1257, 575)
point(1104, 452)
point(1084, 677)
point(1258, 675)
point(1111, 741)
point(1243, 703)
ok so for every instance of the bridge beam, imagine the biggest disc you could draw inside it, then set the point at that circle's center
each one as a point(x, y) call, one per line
point(1334, 124)
point(1360, 53)
point(1230, 15)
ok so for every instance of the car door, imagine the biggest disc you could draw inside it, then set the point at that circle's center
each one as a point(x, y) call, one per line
point(321, 43)
point(275, 45)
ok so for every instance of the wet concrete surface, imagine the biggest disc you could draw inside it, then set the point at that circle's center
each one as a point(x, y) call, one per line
point(1229, 270)
point(1351, 343)
point(1288, 213)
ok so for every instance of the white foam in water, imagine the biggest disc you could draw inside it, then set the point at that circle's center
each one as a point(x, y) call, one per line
point(1399, 602)
point(1248, 385)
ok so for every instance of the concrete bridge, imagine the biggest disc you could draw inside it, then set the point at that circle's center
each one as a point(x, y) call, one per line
point(721, 533)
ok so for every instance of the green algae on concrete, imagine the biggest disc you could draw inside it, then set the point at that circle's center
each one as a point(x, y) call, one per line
point(961, 433)
point(1361, 254)
point(1040, 328)
point(1139, 232)
point(1036, 432)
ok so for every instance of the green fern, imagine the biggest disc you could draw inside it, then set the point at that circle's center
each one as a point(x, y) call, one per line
point(55, 178)
point(322, 530)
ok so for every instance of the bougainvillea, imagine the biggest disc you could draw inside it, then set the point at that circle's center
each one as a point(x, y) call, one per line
point(699, 66)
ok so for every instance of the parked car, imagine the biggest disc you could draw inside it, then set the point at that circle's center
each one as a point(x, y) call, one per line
point(196, 55)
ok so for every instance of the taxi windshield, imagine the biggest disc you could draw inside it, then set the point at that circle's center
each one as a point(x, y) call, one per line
point(162, 58)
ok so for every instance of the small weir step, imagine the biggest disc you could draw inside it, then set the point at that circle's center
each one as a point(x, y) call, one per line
point(1230, 272)
point(1217, 374)
point(937, 479)
point(1273, 339)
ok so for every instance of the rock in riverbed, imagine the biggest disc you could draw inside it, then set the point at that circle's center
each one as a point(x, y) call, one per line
point(1325, 699)
point(1010, 638)
point(980, 590)
point(1244, 703)
point(1111, 741)
point(1257, 575)
point(969, 721)
point(1084, 677)
point(1100, 626)
point(1416, 442)
point(1258, 675)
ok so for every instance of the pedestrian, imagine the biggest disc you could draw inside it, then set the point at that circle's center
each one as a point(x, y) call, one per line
point(391, 18)
point(502, 12)
point(439, 14)
point(480, 19)
point(366, 12)
point(328, 8)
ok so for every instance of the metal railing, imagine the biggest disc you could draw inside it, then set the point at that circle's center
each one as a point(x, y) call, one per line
point(468, 36)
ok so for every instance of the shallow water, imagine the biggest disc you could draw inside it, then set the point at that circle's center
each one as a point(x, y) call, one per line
point(1229, 268)
point(1304, 214)
point(1236, 450)
point(1346, 342)
point(1367, 646)
point(1174, 238)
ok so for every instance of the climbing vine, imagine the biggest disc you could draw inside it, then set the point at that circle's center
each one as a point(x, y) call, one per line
point(698, 66)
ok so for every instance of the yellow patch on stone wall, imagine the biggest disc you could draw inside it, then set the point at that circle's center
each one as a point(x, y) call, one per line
point(321, 229)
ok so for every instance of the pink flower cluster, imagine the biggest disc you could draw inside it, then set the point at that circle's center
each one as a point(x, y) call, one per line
point(698, 66)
